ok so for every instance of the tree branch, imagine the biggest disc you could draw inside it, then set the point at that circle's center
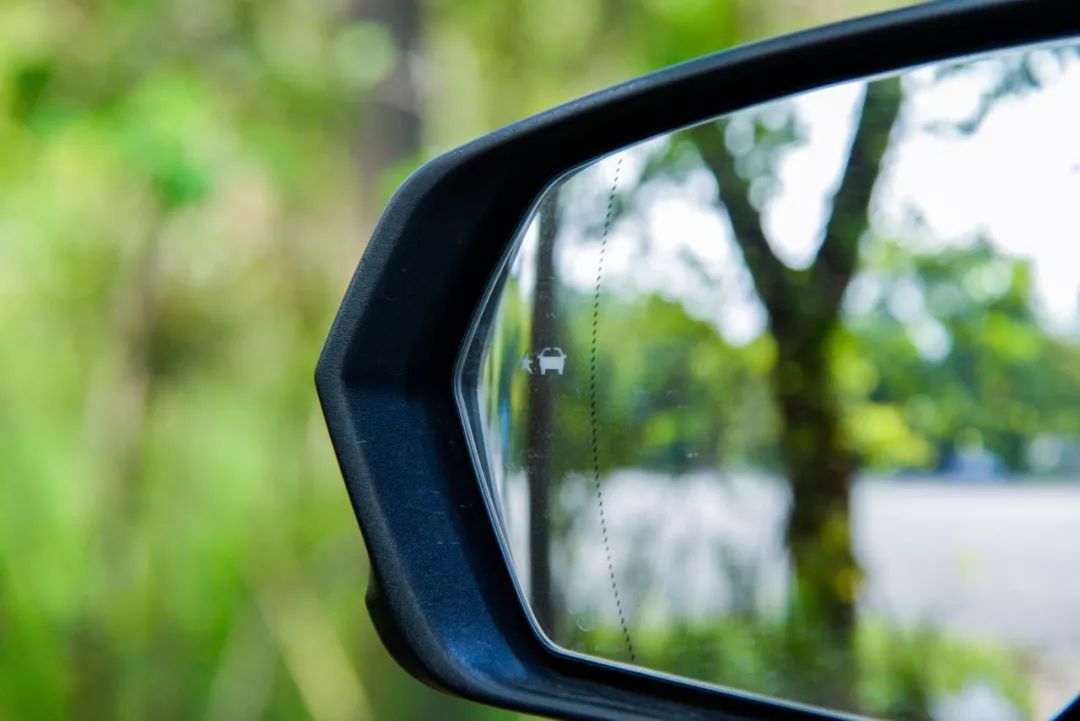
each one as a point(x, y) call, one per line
point(850, 217)
point(769, 272)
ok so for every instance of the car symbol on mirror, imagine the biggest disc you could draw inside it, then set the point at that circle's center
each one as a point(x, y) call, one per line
point(551, 359)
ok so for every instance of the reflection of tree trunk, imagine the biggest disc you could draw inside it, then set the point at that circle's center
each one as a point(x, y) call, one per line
point(538, 432)
point(804, 308)
point(820, 467)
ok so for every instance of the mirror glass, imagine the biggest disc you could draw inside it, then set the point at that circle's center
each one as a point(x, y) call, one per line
point(789, 401)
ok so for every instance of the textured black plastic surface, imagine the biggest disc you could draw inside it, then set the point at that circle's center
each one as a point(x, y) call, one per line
point(442, 596)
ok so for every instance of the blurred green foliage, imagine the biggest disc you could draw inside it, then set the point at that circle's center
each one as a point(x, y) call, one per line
point(902, 672)
point(184, 190)
point(1006, 381)
point(679, 399)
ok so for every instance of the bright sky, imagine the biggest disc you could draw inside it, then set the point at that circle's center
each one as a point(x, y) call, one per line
point(1017, 180)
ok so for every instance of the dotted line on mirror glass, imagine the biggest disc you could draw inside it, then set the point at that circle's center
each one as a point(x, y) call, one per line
point(593, 416)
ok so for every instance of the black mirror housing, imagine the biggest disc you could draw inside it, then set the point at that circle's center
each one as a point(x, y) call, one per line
point(441, 595)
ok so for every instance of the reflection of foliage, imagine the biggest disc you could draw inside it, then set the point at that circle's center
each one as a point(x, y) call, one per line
point(991, 375)
point(676, 397)
point(903, 674)
point(906, 672)
point(1012, 75)
point(673, 397)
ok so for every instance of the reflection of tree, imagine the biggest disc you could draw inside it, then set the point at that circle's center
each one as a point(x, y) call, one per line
point(826, 389)
point(803, 307)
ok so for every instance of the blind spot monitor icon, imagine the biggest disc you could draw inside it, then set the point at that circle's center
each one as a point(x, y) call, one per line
point(549, 359)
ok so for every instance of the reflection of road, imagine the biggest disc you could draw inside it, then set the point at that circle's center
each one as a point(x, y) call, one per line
point(1000, 560)
point(994, 564)
point(990, 561)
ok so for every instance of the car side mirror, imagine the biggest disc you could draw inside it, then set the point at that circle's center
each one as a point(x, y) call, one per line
point(569, 337)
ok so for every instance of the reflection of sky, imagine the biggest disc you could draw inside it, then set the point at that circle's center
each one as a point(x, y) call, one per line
point(1016, 180)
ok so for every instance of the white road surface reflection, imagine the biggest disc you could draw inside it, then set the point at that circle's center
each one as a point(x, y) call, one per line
point(995, 563)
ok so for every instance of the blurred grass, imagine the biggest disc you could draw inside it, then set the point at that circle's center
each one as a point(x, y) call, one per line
point(184, 191)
